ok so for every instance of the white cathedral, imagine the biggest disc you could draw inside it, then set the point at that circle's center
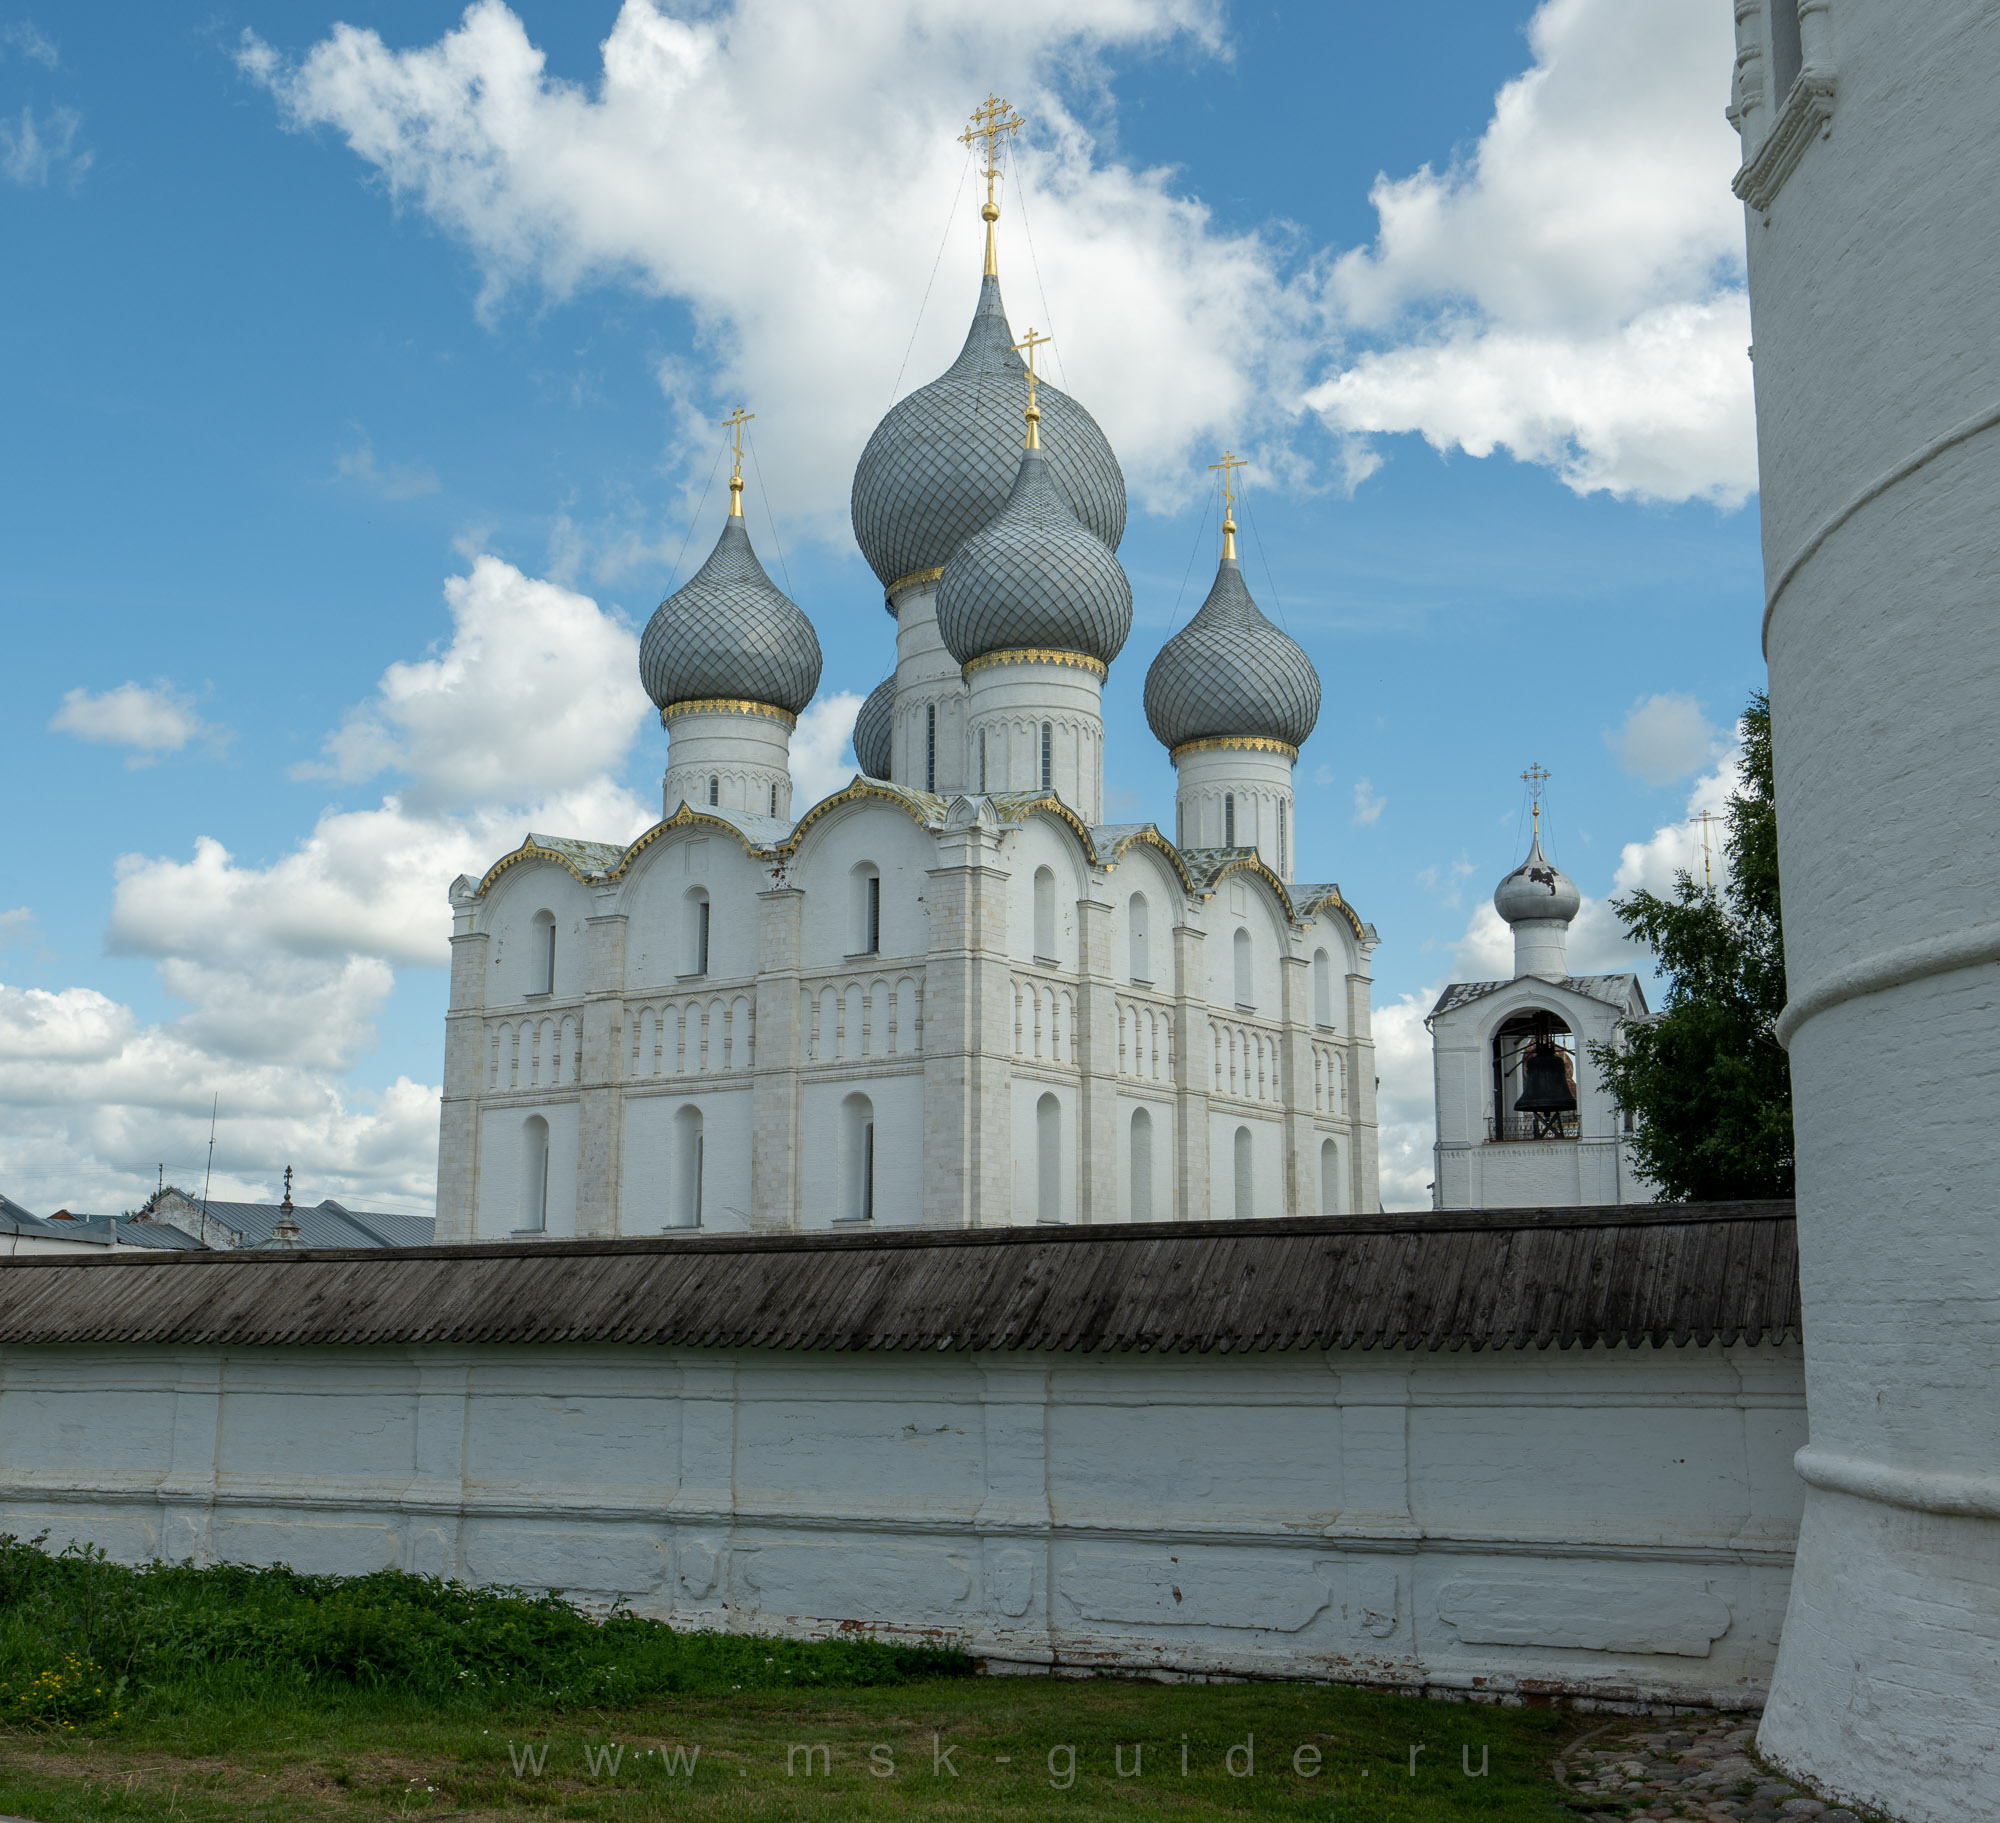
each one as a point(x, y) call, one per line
point(950, 994)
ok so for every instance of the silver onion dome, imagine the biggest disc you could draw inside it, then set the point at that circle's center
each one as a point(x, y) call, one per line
point(942, 463)
point(731, 633)
point(1537, 889)
point(874, 729)
point(1229, 673)
point(1034, 578)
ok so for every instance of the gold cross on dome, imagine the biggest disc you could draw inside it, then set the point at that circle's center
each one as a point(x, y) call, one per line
point(734, 423)
point(992, 120)
point(1030, 342)
point(1229, 463)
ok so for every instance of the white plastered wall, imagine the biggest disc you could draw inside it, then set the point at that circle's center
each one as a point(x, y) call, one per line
point(1610, 1522)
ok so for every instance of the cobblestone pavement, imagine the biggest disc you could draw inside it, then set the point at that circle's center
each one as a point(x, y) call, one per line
point(1704, 1768)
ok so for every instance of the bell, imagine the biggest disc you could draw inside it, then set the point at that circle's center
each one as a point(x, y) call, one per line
point(1545, 1086)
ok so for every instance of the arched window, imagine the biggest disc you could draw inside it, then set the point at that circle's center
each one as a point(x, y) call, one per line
point(1329, 1178)
point(1142, 1166)
point(774, 797)
point(867, 910)
point(1140, 929)
point(930, 746)
point(1322, 988)
point(543, 953)
point(714, 789)
point(1229, 819)
point(982, 762)
point(1241, 945)
point(534, 1175)
point(1246, 1202)
point(1045, 914)
point(688, 1145)
point(857, 1159)
point(697, 932)
point(1048, 756)
point(1048, 1160)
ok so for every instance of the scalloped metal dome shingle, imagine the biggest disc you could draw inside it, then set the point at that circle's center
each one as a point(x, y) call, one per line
point(1229, 673)
point(730, 632)
point(1034, 577)
point(874, 729)
point(942, 463)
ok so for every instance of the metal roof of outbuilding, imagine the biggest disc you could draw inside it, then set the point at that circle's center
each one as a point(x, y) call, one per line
point(1648, 1273)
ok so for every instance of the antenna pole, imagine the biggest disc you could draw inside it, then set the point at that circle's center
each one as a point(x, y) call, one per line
point(209, 1176)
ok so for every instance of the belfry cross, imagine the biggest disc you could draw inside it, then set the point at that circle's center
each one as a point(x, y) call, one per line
point(1535, 778)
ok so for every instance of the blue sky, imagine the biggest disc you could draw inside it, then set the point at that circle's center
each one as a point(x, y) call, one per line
point(362, 394)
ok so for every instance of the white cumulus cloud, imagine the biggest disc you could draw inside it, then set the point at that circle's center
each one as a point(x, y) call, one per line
point(151, 721)
point(1368, 803)
point(823, 749)
point(1663, 738)
point(1573, 291)
point(522, 720)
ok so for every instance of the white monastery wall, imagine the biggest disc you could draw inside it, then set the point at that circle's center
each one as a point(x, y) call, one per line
point(1608, 1521)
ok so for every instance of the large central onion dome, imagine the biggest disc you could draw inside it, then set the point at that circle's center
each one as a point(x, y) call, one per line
point(731, 634)
point(941, 464)
point(1230, 674)
point(874, 730)
point(1034, 579)
point(1536, 890)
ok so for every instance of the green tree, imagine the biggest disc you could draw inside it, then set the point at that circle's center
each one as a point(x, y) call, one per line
point(1709, 1082)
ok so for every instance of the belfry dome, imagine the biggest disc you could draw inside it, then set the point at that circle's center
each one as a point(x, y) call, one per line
point(1229, 673)
point(1537, 889)
point(1035, 578)
point(731, 633)
point(874, 730)
point(941, 464)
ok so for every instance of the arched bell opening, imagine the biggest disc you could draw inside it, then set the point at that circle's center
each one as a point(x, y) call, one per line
point(1534, 1079)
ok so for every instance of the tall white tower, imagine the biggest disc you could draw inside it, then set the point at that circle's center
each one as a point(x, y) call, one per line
point(1872, 178)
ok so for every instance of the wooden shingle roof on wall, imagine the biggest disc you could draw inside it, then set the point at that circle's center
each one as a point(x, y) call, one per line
point(1646, 1274)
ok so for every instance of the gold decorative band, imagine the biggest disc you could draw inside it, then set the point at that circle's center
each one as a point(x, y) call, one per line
point(727, 705)
point(914, 580)
point(1037, 655)
point(1243, 743)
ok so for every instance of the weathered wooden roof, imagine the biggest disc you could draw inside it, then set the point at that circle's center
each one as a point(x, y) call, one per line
point(1482, 1279)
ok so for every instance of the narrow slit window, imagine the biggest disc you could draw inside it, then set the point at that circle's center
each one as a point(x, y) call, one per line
point(1284, 872)
point(774, 799)
point(874, 920)
point(1048, 755)
point(1229, 820)
point(930, 747)
point(982, 762)
point(868, 1171)
point(701, 911)
point(714, 789)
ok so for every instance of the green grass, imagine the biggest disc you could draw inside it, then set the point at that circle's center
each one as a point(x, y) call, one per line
point(230, 1694)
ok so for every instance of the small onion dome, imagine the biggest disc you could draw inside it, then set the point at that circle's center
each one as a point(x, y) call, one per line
point(873, 729)
point(1034, 578)
point(1230, 674)
point(1537, 889)
point(940, 465)
point(730, 633)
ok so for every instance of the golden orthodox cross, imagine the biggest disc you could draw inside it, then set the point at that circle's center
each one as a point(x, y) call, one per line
point(1030, 342)
point(1535, 778)
point(734, 423)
